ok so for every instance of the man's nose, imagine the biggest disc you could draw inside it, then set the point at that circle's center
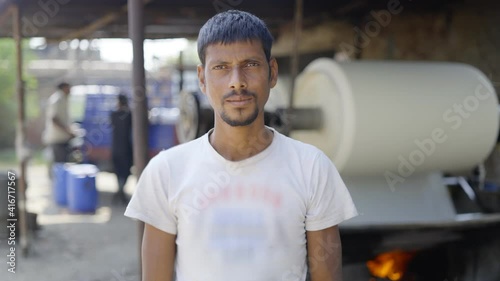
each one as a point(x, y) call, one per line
point(238, 80)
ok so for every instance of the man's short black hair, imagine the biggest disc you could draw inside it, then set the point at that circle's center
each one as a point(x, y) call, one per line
point(122, 100)
point(62, 85)
point(233, 26)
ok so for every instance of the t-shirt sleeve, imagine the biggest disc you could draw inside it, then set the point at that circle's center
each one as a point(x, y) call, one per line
point(150, 201)
point(53, 107)
point(329, 202)
point(60, 107)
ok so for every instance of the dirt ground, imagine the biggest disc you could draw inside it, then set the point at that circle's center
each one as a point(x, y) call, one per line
point(76, 247)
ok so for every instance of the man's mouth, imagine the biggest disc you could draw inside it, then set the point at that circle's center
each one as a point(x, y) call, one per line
point(240, 101)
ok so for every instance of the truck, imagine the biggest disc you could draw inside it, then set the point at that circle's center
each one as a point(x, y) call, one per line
point(91, 106)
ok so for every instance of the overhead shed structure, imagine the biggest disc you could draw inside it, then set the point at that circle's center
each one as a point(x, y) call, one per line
point(58, 20)
point(69, 19)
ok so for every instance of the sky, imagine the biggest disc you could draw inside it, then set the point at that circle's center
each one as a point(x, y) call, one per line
point(120, 50)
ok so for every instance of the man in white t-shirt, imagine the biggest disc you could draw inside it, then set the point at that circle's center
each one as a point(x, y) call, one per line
point(57, 132)
point(242, 202)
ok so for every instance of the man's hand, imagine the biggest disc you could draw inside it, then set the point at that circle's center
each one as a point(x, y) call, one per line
point(63, 127)
point(158, 254)
point(324, 251)
point(71, 134)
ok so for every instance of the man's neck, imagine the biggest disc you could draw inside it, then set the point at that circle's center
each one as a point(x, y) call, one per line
point(239, 143)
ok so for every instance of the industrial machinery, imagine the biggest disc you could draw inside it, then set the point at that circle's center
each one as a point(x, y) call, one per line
point(393, 128)
point(406, 137)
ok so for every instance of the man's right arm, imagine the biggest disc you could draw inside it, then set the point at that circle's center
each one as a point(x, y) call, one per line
point(62, 126)
point(158, 254)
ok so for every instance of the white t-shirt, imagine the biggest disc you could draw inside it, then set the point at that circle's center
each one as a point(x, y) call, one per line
point(243, 220)
point(57, 106)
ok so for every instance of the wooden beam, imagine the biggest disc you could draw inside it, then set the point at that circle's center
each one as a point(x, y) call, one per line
point(351, 7)
point(297, 32)
point(105, 20)
point(326, 36)
point(140, 99)
point(294, 57)
point(21, 152)
point(97, 24)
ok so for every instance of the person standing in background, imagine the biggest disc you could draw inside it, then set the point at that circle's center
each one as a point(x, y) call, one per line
point(58, 132)
point(121, 146)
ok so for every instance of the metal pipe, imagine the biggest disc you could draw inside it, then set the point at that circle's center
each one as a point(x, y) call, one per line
point(303, 118)
point(140, 122)
point(21, 129)
point(307, 119)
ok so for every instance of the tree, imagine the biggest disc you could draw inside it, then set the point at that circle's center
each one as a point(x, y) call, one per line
point(8, 99)
point(7, 93)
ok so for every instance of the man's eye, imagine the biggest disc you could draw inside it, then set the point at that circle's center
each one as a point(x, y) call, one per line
point(217, 67)
point(252, 63)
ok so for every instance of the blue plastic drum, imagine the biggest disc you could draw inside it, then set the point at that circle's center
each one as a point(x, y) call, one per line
point(59, 183)
point(82, 193)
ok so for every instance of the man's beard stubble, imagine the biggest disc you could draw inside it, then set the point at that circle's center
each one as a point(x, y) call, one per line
point(238, 123)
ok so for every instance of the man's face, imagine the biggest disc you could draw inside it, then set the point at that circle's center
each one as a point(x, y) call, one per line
point(66, 89)
point(237, 79)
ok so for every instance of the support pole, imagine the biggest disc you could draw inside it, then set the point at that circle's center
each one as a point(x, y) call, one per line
point(294, 66)
point(21, 130)
point(181, 71)
point(140, 122)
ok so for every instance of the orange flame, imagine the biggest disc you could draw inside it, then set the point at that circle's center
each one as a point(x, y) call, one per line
point(390, 265)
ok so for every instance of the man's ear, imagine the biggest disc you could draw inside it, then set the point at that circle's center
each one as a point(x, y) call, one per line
point(201, 77)
point(273, 69)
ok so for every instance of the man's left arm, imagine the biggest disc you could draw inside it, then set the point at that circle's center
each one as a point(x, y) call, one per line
point(324, 252)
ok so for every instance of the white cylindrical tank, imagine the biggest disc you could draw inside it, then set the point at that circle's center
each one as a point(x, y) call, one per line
point(399, 117)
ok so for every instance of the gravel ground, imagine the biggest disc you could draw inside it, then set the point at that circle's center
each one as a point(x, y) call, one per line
point(76, 247)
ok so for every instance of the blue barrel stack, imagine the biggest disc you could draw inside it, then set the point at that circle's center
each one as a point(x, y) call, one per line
point(59, 183)
point(75, 187)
